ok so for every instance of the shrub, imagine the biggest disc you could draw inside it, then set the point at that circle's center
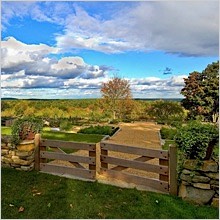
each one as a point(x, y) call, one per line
point(114, 121)
point(168, 133)
point(65, 125)
point(196, 138)
point(167, 112)
point(104, 130)
point(23, 127)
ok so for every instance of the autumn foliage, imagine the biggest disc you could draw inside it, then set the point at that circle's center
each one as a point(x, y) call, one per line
point(116, 94)
point(201, 93)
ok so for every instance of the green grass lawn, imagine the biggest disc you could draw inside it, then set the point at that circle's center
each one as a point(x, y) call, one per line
point(167, 143)
point(57, 135)
point(6, 130)
point(52, 197)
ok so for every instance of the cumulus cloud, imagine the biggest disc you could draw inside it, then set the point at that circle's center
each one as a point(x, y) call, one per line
point(153, 87)
point(183, 28)
point(30, 66)
point(178, 27)
point(149, 87)
point(16, 55)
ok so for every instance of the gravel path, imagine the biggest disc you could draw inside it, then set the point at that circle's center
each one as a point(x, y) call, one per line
point(138, 134)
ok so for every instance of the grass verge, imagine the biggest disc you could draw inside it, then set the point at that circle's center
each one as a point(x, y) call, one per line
point(44, 196)
point(6, 130)
point(57, 135)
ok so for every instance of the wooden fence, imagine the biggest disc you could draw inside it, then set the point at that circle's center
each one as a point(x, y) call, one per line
point(167, 181)
point(166, 167)
point(55, 152)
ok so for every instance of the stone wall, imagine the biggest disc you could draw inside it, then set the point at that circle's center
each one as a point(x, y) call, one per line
point(200, 184)
point(20, 157)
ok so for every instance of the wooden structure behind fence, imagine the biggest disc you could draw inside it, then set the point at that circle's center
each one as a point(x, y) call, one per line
point(56, 153)
point(166, 168)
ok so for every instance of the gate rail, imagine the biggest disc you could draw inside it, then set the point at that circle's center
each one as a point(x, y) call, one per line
point(166, 168)
point(77, 170)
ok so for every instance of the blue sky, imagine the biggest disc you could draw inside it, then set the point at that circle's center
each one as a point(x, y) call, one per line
point(68, 49)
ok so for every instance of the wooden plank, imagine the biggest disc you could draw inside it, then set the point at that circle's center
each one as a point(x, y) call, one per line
point(77, 165)
point(51, 168)
point(93, 155)
point(163, 154)
point(162, 176)
point(136, 165)
point(67, 157)
point(105, 153)
point(129, 178)
point(68, 144)
point(173, 169)
point(57, 149)
point(141, 159)
point(43, 149)
point(37, 152)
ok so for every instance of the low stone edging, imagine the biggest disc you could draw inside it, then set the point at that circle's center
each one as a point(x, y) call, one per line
point(107, 137)
point(200, 184)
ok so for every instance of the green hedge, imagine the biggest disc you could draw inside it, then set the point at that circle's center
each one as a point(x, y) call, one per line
point(168, 133)
point(104, 130)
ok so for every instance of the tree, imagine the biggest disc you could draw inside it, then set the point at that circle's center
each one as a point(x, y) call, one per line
point(201, 93)
point(115, 92)
point(167, 112)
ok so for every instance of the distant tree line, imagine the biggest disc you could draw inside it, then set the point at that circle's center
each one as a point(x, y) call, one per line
point(201, 101)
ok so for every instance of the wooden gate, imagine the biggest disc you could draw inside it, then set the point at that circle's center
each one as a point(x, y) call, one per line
point(48, 150)
point(166, 168)
point(111, 166)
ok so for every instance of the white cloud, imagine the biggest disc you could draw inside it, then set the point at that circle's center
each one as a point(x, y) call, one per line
point(189, 28)
point(153, 85)
point(15, 54)
point(53, 12)
point(10, 11)
point(29, 66)
point(89, 88)
point(186, 28)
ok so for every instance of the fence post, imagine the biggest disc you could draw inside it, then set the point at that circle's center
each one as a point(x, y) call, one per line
point(161, 176)
point(105, 153)
point(173, 169)
point(93, 154)
point(37, 152)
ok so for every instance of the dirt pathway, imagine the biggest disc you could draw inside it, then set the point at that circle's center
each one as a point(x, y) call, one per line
point(138, 134)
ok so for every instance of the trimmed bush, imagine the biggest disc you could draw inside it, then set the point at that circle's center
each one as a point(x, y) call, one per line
point(197, 140)
point(104, 130)
point(168, 133)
